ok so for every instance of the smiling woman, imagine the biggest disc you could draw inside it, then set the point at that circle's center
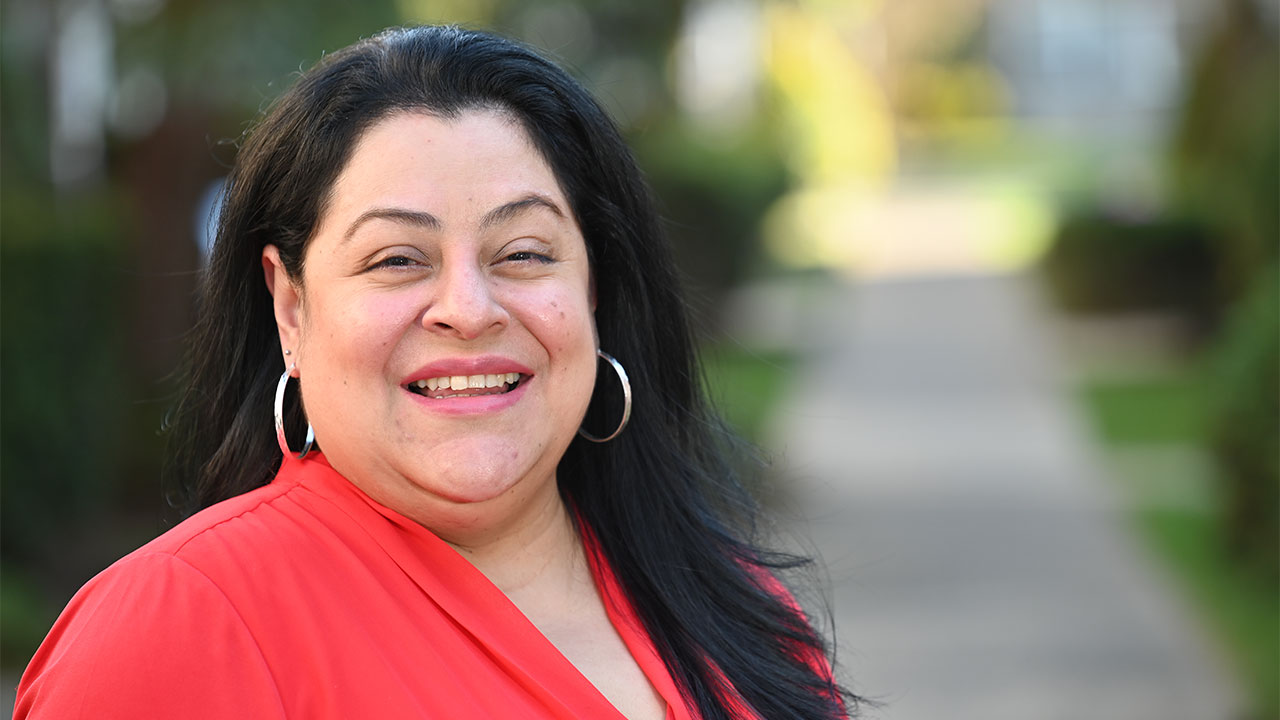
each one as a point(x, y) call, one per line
point(439, 234)
point(429, 264)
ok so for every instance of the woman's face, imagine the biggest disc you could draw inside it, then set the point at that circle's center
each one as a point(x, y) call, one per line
point(443, 330)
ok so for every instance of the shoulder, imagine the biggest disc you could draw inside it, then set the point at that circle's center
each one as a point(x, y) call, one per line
point(159, 632)
point(152, 636)
point(230, 519)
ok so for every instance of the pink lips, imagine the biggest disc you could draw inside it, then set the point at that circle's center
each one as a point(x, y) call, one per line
point(475, 404)
point(480, 365)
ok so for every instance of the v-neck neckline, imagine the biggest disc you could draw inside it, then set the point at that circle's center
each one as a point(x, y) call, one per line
point(477, 605)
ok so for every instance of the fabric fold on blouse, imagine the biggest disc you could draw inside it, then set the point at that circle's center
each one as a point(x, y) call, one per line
point(307, 599)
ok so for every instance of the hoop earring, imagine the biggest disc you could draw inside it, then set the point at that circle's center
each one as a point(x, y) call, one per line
point(279, 418)
point(626, 399)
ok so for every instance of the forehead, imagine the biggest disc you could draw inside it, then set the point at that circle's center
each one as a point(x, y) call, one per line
point(451, 166)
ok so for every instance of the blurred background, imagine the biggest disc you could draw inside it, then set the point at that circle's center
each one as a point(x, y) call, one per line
point(993, 282)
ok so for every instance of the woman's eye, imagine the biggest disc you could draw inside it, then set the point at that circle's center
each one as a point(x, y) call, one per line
point(528, 256)
point(396, 261)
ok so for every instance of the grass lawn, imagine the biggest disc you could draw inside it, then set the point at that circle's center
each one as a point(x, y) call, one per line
point(1243, 610)
point(1168, 411)
point(1156, 410)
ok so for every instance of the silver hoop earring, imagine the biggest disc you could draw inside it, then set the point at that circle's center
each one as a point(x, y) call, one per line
point(279, 418)
point(626, 399)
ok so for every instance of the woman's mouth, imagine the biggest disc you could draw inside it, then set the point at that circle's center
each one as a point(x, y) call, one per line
point(455, 386)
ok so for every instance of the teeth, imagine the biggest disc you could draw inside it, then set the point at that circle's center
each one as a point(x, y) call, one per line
point(467, 382)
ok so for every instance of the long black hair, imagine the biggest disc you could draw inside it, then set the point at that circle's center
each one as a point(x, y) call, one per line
point(662, 499)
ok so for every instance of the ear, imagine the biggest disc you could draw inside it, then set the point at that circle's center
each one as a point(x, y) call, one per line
point(286, 299)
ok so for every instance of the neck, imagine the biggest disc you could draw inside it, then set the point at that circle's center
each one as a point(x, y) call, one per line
point(514, 538)
point(540, 546)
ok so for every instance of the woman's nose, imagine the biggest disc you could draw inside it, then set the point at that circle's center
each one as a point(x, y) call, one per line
point(462, 303)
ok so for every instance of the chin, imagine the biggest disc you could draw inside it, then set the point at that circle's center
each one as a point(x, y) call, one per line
point(470, 483)
point(470, 491)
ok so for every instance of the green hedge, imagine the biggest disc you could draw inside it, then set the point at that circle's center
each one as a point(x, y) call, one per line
point(713, 194)
point(1102, 263)
point(1245, 423)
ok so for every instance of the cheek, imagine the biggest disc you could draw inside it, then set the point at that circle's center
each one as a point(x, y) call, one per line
point(361, 325)
point(561, 320)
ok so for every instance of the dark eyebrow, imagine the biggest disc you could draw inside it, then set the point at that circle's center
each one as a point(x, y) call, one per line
point(426, 220)
point(505, 212)
point(405, 217)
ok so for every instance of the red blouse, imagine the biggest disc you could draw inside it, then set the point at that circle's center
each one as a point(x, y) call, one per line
point(306, 599)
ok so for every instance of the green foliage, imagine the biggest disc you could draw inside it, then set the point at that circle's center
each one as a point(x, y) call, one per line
point(1224, 160)
point(64, 410)
point(1101, 263)
point(1225, 155)
point(25, 617)
point(713, 192)
point(746, 386)
point(1245, 422)
point(234, 55)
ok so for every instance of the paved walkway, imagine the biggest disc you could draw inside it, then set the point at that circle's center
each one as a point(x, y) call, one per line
point(980, 569)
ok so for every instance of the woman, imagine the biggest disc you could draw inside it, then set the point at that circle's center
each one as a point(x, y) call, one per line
point(452, 237)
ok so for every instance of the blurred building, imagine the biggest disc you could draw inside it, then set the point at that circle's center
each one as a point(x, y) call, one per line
point(1105, 68)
